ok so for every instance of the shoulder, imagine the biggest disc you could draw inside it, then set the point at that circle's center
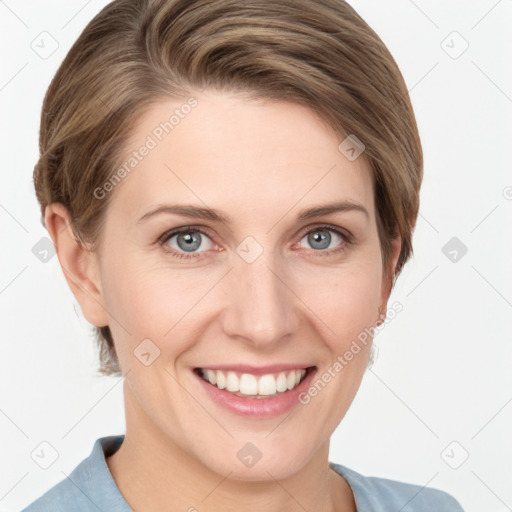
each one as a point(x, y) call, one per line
point(374, 494)
point(89, 487)
point(59, 498)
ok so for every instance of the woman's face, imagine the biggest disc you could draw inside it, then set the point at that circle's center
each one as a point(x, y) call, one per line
point(267, 290)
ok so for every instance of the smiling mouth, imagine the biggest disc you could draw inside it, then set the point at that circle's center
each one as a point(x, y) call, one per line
point(248, 385)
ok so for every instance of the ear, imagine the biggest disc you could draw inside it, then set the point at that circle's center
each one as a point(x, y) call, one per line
point(387, 277)
point(79, 264)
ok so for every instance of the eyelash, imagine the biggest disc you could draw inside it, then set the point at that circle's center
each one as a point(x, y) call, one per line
point(346, 237)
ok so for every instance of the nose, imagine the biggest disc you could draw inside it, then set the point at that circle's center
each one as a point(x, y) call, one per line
point(261, 307)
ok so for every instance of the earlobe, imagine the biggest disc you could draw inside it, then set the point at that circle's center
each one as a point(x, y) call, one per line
point(80, 265)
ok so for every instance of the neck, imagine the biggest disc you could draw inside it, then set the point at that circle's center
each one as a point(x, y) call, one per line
point(153, 473)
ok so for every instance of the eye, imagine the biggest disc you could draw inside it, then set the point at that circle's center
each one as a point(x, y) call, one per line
point(321, 238)
point(191, 242)
point(186, 242)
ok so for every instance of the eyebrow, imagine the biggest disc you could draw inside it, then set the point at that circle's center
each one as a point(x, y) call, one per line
point(198, 212)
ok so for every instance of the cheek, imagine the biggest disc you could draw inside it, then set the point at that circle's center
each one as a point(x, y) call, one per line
point(346, 299)
point(154, 303)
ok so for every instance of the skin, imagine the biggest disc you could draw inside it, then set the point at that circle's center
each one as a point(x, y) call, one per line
point(260, 163)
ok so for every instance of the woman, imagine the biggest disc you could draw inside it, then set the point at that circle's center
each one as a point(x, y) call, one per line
point(231, 188)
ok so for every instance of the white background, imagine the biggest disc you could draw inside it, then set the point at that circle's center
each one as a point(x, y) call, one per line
point(443, 374)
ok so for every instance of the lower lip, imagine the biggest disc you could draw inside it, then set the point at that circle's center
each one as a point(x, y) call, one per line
point(257, 407)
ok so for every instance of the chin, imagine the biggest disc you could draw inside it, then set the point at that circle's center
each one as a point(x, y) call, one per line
point(251, 460)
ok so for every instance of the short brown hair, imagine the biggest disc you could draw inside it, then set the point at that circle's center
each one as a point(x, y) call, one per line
point(318, 53)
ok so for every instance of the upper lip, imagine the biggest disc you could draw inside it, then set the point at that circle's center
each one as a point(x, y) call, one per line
point(257, 370)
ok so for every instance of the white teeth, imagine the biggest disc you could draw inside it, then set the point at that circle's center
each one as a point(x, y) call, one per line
point(221, 379)
point(267, 385)
point(250, 385)
point(212, 376)
point(232, 382)
point(281, 383)
point(290, 381)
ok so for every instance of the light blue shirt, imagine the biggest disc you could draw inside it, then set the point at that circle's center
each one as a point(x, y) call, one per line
point(90, 487)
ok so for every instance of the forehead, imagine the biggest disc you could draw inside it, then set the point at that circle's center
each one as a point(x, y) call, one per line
point(237, 155)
